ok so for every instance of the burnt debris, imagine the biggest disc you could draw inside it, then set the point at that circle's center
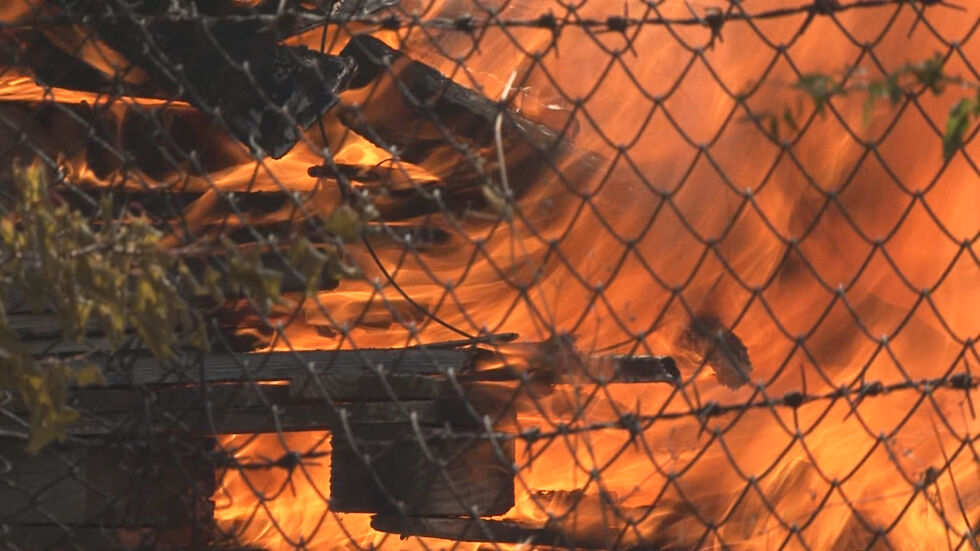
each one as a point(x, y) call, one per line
point(422, 116)
point(720, 348)
point(264, 93)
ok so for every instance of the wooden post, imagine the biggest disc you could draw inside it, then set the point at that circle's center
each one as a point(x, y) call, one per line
point(395, 469)
point(126, 494)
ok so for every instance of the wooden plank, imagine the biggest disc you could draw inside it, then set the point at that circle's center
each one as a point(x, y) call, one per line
point(142, 369)
point(340, 387)
point(258, 419)
point(368, 386)
point(638, 369)
point(448, 475)
point(94, 342)
point(485, 530)
point(51, 537)
point(135, 483)
point(229, 408)
point(572, 367)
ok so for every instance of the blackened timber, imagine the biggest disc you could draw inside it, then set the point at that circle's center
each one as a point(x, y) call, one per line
point(368, 387)
point(63, 537)
point(257, 419)
point(240, 408)
point(423, 117)
point(50, 65)
point(556, 368)
point(42, 333)
point(431, 474)
point(219, 408)
point(194, 367)
point(161, 485)
point(394, 176)
point(420, 92)
point(719, 347)
point(265, 93)
point(483, 530)
point(644, 369)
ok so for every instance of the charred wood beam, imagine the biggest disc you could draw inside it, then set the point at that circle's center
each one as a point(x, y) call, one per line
point(351, 387)
point(402, 236)
point(483, 530)
point(206, 418)
point(191, 367)
point(360, 8)
point(143, 369)
point(50, 65)
point(598, 369)
point(231, 339)
point(420, 99)
point(398, 176)
point(423, 117)
point(719, 347)
point(383, 469)
point(62, 537)
point(558, 360)
point(266, 94)
point(337, 400)
point(160, 486)
point(643, 369)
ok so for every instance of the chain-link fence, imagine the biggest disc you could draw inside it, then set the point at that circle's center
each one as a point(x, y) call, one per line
point(337, 274)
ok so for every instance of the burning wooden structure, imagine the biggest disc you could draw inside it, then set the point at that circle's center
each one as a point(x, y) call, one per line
point(490, 273)
point(138, 468)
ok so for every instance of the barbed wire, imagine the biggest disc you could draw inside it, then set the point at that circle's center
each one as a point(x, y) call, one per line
point(288, 17)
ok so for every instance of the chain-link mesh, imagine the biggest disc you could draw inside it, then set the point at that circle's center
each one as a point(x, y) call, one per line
point(494, 274)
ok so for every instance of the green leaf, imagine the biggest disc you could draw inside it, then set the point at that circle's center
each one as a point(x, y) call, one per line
point(309, 262)
point(773, 126)
point(820, 88)
point(50, 429)
point(790, 119)
point(960, 118)
point(89, 375)
point(7, 231)
point(929, 73)
point(114, 275)
point(249, 275)
point(345, 223)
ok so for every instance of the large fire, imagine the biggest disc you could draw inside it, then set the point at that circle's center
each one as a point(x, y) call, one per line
point(848, 255)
